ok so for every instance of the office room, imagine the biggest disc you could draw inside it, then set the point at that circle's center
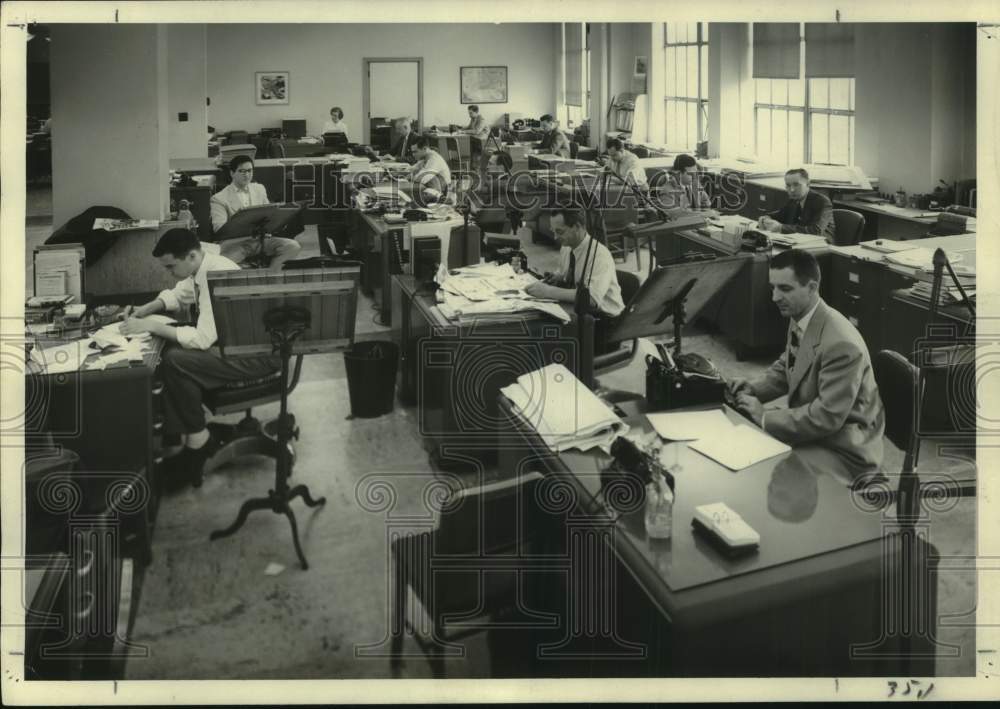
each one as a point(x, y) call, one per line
point(497, 347)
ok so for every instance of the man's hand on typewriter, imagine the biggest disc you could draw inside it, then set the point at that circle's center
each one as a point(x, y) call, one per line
point(736, 386)
point(750, 406)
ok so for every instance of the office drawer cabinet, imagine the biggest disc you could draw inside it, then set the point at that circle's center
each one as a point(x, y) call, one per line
point(860, 290)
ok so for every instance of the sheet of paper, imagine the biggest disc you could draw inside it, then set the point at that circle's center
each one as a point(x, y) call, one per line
point(58, 359)
point(740, 448)
point(691, 425)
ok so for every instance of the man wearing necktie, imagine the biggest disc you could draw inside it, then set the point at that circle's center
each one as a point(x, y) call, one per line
point(833, 401)
point(806, 212)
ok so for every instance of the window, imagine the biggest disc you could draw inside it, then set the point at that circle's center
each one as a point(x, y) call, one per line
point(802, 120)
point(685, 91)
point(576, 115)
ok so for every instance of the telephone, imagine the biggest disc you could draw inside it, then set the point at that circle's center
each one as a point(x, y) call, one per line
point(753, 240)
point(414, 215)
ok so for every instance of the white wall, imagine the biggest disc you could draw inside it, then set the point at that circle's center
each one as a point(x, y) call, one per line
point(109, 92)
point(187, 87)
point(325, 65)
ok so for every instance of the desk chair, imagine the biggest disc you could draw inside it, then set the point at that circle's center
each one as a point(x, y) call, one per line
point(454, 154)
point(901, 389)
point(247, 437)
point(617, 227)
point(574, 149)
point(467, 574)
point(848, 227)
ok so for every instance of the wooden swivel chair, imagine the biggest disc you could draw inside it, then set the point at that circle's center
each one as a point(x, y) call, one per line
point(614, 227)
point(468, 574)
point(849, 226)
point(454, 153)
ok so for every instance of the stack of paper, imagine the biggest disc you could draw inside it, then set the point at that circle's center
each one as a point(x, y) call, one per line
point(798, 241)
point(919, 258)
point(58, 359)
point(711, 433)
point(564, 412)
point(462, 310)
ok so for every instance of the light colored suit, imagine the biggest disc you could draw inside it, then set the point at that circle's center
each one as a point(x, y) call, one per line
point(833, 400)
point(224, 204)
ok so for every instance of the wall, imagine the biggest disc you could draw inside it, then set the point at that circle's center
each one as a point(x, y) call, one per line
point(325, 65)
point(187, 87)
point(112, 147)
point(913, 119)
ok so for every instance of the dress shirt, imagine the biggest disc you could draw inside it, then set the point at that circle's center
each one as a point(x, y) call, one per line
point(431, 172)
point(627, 167)
point(477, 127)
point(603, 280)
point(335, 127)
point(193, 290)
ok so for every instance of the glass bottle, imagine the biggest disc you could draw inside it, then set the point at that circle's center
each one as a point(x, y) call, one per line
point(659, 508)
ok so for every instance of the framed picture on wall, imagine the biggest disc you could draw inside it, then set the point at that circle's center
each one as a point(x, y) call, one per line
point(483, 84)
point(640, 67)
point(271, 88)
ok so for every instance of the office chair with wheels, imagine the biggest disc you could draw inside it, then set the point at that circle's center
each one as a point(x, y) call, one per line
point(468, 574)
point(849, 226)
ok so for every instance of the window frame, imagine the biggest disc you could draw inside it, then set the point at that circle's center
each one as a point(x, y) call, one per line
point(700, 101)
point(807, 110)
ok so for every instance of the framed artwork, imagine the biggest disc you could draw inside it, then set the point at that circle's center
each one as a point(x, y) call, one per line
point(640, 66)
point(271, 88)
point(483, 84)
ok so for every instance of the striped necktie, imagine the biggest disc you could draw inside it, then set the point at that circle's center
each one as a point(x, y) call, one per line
point(793, 345)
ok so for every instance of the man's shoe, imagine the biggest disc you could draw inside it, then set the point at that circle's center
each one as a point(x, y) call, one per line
point(197, 458)
point(174, 472)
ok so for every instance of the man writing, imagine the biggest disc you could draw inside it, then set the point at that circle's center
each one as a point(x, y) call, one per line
point(625, 164)
point(241, 193)
point(477, 127)
point(430, 173)
point(597, 271)
point(806, 212)
point(189, 366)
point(833, 401)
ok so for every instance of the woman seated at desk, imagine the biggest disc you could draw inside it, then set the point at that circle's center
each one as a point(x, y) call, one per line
point(336, 123)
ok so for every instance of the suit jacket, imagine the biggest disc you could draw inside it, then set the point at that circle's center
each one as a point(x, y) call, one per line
point(225, 203)
point(815, 217)
point(833, 400)
point(690, 196)
point(556, 143)
point(403, 147)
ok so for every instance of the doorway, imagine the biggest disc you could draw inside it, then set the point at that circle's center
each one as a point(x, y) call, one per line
point(393, 87)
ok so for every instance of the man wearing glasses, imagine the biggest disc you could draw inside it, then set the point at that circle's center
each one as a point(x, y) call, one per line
point(242, 192)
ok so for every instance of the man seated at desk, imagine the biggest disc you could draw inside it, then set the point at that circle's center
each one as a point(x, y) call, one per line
point(624, 164)
point(596, 272)
point(430, 173)
point(684, 180)
point(806, 212)
point(554, 141)
point(189, 366)
point(833, 401)
point(402, 149)
point(240, 193)
point(477, 127)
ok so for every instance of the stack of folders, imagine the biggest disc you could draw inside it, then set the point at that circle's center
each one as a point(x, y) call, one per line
point(950, 294)
point(564, 412)
point(798, 241)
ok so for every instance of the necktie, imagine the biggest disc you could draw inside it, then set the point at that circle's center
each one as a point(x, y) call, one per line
point(195, 309)
point(796, 212)
point(571, 276)
point(793, 345)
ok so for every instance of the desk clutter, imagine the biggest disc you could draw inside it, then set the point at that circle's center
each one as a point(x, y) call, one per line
point(97, 350)
point(489, 291)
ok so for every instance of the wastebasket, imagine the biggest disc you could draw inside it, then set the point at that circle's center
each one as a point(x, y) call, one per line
point(371, 377)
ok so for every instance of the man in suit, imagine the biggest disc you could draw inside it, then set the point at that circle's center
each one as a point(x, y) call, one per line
point(402, 149)
point(833, 401)
point(241, 193)
point(554, 141)
point(806, 212)
point(190, 363)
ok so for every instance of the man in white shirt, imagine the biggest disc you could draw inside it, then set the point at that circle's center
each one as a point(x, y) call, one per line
point(477, 127)
point(625, 164)
point(189, 364)
point(596, 271)
point(430, 173)
point(239, 194)
point(336, 123)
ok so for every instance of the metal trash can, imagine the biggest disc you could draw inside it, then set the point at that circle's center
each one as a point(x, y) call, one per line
point(371, 377)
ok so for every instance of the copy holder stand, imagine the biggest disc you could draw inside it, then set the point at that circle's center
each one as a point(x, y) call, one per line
point(272, 316)
point(670, 296)
point(258, 221)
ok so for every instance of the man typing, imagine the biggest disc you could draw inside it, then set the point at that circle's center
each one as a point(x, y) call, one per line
point(833, 401)
point(241, 193)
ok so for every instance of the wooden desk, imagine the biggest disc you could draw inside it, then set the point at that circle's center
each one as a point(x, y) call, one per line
point(110, 418)
point(454, 372)
point(887, 221)
point(631, 606)
point(862, 283)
